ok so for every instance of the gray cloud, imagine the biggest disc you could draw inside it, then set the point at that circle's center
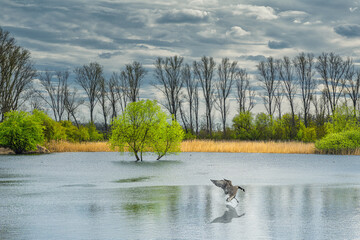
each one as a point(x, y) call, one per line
point(183, 16)
point(115, 33)
point(108, 55)
point(256, 58)
point(348, 30)
point(278, 44)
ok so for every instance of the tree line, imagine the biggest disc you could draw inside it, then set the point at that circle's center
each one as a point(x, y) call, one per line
point(318, 84)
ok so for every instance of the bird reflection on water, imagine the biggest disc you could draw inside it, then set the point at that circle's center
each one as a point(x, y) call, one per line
point(228, 215)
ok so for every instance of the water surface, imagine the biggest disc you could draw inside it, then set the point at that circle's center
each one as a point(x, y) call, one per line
point(108, 196)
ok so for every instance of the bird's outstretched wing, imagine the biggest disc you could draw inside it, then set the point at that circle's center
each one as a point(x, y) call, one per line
point(228, 181)
point(224, 184)
point(219, 183)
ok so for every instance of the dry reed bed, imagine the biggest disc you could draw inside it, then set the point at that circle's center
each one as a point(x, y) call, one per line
point(198, 146)
point(63, 146)
point(247, 146)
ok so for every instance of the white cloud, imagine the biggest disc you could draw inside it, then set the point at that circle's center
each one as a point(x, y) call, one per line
point(260, 12)
point(203, 2)
point(209, 33)
point(290, 14)
point(236, 32)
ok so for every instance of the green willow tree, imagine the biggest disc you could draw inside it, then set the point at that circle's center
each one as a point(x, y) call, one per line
point(144, 127)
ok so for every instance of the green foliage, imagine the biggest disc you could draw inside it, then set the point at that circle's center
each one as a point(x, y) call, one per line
point(342, 142)
point(343, 119)
point(52, 130)
point(243, 126)
point(189, 136)
point(21, 131)
point(307, 134)
point(167, 138)
point(144, 127)
point(263, 127)
point(94, 135)
point(74, 134)
point(290, 127)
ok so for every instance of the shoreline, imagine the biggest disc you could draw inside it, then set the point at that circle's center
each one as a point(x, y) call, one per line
point(222, 146)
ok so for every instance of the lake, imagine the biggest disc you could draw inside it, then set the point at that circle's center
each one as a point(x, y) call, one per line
point(109, 196)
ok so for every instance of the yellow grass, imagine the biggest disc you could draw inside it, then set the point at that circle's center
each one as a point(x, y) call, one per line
point(63, 146)
point(247, 146)
point(198, 146)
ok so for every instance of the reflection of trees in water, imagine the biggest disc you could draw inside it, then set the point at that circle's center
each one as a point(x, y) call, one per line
point(151, 200)
point(306, 211)
point(295, 211)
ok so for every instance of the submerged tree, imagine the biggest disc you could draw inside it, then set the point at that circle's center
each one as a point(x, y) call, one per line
point(144, 127)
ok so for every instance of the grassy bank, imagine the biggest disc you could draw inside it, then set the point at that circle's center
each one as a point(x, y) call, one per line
point(198, 146)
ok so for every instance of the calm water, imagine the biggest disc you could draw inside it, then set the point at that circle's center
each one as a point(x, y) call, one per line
point(108, 196)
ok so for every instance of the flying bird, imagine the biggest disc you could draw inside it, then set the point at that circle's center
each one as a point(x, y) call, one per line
point(228, 188)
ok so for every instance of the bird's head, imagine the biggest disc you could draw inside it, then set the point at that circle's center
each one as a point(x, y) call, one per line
point(241, 188)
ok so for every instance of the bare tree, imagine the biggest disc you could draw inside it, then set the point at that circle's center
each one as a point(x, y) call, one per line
point(353, 86)
point(16, 73)
point(118, 88)
point(196, 109)
point(88, 77)
point(290, 83)
point(245, 94)
point(279, 95)
point(191, 86)
point(267, 76)
point(102, 98)
point(319, 105)
point(113, 96)
point(333, 71)
point(55, 85)
point(204, 71)
point(227, 72)
point(72, 103)
point(131, 77)
point(304, 64)
point(168, 75)
point(183, 117)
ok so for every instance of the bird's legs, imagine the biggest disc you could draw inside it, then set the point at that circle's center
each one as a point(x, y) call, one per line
point(231, 198)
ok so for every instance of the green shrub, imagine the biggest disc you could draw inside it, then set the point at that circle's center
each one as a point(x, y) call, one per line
point(189, 136)
point(307, 134)
point(263, 127)
point(243, 126)
point(21, 131)
point(343, 119)
point(343, 142)
point(52, 130)
point(94, 135)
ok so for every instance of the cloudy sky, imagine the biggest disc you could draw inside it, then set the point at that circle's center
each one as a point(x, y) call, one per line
point(68, 33)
